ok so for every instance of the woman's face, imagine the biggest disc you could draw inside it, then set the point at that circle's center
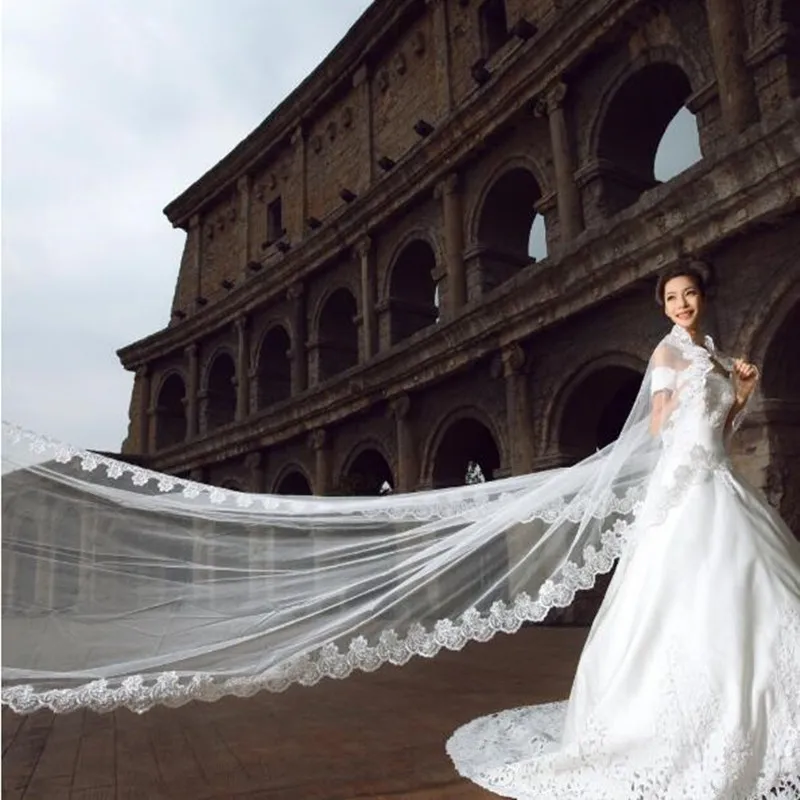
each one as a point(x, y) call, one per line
point(683, 302)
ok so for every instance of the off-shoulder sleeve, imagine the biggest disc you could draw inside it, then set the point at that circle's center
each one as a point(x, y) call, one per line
point(663, 378)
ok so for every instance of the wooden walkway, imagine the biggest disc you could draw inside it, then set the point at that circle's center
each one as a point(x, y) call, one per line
point(372, 737)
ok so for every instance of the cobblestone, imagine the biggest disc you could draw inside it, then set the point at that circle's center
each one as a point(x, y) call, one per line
point(373, 737)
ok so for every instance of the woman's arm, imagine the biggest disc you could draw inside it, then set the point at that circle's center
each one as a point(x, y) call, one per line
point(663, 389)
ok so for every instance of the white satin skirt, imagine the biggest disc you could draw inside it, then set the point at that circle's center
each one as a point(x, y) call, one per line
point(689, 683)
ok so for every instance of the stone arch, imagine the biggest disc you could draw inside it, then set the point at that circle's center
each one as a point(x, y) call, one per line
point(589, 411)
point(768, 312)
point(273, 367)
point(220, 389)
point(412, 296)
point(464, 436)
point(770, 340)
point(502, 222)
point(292, 481)
point(367, 471)
point(337, 332)
point(514, 162)
point(634, 114)
point(780, 376)
point(170, 417)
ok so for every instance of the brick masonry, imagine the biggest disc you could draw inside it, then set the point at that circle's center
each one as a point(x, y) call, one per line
point(565, 126)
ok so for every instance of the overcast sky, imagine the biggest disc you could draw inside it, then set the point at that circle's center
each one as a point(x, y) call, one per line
point(110, 109)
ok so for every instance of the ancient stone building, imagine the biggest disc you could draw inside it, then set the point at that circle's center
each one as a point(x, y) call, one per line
point(361, 299)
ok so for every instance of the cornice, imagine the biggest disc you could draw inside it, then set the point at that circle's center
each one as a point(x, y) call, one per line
point(380, 21)
point(634, 248)
point(539, 62)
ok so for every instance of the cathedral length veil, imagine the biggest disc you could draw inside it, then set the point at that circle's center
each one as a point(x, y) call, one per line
point(127, 588)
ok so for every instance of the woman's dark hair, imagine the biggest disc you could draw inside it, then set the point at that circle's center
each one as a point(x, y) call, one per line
point(683, 269)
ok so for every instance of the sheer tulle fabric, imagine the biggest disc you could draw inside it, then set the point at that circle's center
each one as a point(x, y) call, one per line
point(123, 587)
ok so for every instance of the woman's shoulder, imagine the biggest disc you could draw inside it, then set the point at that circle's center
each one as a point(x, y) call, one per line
point(666, 353)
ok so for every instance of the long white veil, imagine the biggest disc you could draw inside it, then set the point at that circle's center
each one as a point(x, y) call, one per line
point(123, 587)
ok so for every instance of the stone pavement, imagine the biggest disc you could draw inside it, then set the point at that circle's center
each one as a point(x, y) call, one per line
point(372, 737)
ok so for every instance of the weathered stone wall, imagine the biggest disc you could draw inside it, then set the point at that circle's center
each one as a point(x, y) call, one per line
point(329, 330)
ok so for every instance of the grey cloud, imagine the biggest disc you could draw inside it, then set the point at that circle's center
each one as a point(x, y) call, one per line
point(110, 110)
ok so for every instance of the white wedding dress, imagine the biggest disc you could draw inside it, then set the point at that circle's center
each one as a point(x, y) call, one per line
point(689, 683)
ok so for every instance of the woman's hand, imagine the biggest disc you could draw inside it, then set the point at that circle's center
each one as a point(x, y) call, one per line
point(745, 377)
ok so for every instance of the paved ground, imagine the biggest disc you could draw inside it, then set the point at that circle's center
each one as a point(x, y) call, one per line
point(371, 737)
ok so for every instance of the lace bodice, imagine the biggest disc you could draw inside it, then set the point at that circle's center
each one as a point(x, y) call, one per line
point(701, 377)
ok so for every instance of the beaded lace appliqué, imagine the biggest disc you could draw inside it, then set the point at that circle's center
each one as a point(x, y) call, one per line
point(140, 694)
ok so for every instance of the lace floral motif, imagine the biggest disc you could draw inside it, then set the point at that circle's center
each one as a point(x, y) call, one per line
point(685, 736)
point(718, 394)
point(470, 503)
point(521, 752)
point(172, 690)
point(701, 465)
point(169, 688)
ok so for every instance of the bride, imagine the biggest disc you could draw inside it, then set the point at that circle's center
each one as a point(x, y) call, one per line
point(689, 682)
point(123, 587)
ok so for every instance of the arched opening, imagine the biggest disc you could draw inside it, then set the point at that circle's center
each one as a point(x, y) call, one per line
point(171, 413)
point(369, 475)
point(468, 454)
point(509, 228)
point(537, 241)
point(338, 334)
point(780, 387)
point(679, 148)
point(413, 291)
point(781, 378)
point(597, 409)
point(294, 484)
point(466, 447)
point(221, 399)
point(633, 129)
point(274, 368)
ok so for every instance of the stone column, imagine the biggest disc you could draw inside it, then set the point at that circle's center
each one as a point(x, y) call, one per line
point(440, 41)
point(728, 33)
point(192, 391)
point(318, 441)
point(298, 142)
point(152, 421)
point(254, 462)
point(518, 410)
point(365, 252)
point(242, 368)
point(244, 185)
point(144, 379)
point(570, 210)
point(297, 298)
point(407, 460)
point(196, 233)
point(361, 80)
point(449, 193)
